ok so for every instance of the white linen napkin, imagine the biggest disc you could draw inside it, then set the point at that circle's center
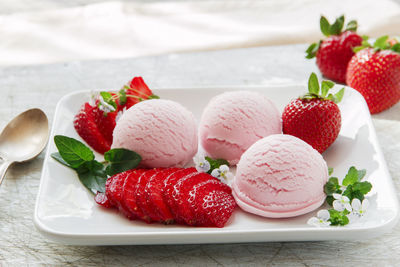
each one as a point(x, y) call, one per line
point(117, 30)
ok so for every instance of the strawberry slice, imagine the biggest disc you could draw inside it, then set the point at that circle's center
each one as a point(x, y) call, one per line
point(182, 206)
point(114, 192)
point(102, 200)
point(141, 199)
point(213, 207)
point(169, 184)
point(129, 193)
point(154, 193)
point(86, 127)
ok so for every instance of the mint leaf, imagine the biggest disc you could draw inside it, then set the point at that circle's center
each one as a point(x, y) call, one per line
point(92, 176)
point(352, 26)
point(57, 156)
point(381, 42)
point(337, 218)
point(330, 188)
point(329, 200)
point(337, 26)
point(362, 187)
point(122, 97)
point(325, 86)
point(330, 170)
point(313, 85)
point(325, 26)
point(361, 174)
point(351, 176)
point(121, 160)
point(72, 151)
point(215, 163)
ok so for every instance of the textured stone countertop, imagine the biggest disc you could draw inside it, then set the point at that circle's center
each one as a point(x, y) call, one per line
point(42, 86)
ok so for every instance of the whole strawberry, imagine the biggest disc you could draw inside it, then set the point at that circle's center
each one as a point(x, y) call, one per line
point(315, 117)
point(334, 52)
point(374, 71)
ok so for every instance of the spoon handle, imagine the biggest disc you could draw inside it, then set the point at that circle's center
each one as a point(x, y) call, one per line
point(3, 169)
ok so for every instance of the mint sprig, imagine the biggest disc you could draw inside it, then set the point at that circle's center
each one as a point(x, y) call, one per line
point(352, 187)
point(92, 173)
point(321, 92)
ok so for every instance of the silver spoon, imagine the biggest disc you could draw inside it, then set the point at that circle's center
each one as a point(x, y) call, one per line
point(23, 138)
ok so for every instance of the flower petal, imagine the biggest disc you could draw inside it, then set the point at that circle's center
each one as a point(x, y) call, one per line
point(356, 204)
point(206, 167)
point(337, 205)
point(348, 207)
point(224, 168)
point(365, 204)
point(323, 215)
point(314, 221)
point(337, 196)
point(216, 173)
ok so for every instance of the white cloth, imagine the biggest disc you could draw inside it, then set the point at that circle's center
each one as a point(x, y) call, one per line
point(117, 30)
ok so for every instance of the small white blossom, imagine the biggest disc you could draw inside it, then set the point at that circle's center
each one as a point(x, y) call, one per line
point(321, 220)
point(341, 203)
point(222, 173)
point(119, 114)
point(93, 97)
point(359, 209)
point(202, 165)
point(104, 106)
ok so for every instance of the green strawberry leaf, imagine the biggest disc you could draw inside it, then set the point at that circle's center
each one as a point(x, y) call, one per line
point(325, 86)
point(325, 26)
point(352, 26)
point(72, 151)
point(313, 85)
point(121, 160)
point(396, 48)
point(381, 42)
point(338, 96)
point(312, 50)
point(337, 26)
point(154, 97)
point(122, 97)
point(108, 98)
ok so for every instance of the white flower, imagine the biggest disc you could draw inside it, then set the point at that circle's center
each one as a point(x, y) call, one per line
point(202, 165)
point(359, 209)
point(321, 220)
point(341, 202)
point(104, 106)
point(93, 97)
point(119, 114)
point(222, 173)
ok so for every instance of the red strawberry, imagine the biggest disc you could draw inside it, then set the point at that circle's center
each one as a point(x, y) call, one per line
point(102, 200)
point(87, 128)
point(180, 194)
point(154, 194)
point(141, 199)
point(129, 193)
point(315, 118)
point(105, 122)
point(214, 207)
point(136, 91)
point(334, 52)
point(114, 192)
point(375, 73)
point(169, 184)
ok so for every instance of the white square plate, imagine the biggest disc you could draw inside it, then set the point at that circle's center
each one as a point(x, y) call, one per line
point(66, 212)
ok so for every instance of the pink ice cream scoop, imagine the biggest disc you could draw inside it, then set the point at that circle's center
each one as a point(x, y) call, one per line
point(162, 132)
point(280, 176)
point(233, 121)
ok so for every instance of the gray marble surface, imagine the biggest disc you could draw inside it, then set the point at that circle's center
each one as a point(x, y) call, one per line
point(42, 86)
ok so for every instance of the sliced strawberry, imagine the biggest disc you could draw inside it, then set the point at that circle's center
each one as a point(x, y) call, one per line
point(213, 207)
point(86, 127)
point(129, 193)
point(138, 91)
point(154, 193)
point(102, 200)
point(182, 206)
point(105, 123)
point(114, 192)
point(141, 200)
point(169, 184)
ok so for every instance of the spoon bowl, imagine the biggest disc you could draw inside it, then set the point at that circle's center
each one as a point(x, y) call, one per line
point(23, 138)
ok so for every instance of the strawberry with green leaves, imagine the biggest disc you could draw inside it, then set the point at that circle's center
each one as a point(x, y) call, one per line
point(374, 71)
point(95, 122)
point(315, 117)
point(334, 52)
